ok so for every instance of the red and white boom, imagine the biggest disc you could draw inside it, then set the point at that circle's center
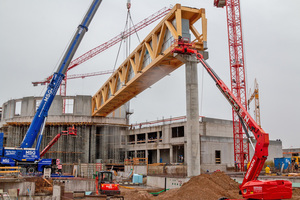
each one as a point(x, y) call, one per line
point(251, 188)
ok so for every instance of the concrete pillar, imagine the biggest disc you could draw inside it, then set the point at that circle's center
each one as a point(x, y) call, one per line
point(158, 156)
point(56, 192)
point(171, 154)
point(85, 144)
point(93, 147)
point(192, 156)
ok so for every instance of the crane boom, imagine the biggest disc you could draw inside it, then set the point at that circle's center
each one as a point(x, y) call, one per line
point(255, 95)
point(39, 119)
point(251, 188)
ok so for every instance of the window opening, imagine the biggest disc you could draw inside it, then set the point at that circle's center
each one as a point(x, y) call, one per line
point(218, 157)
point(178, 131)
point(18, 105)
point(69, 106)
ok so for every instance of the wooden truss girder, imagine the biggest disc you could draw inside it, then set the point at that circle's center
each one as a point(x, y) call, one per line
point(133, 77)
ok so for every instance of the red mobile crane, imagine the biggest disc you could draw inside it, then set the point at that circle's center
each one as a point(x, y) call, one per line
point(237, 71)
point(251, 188)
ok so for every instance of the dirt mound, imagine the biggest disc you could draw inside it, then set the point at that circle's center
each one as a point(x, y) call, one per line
point(206, 187)
point(296, 194)
point(136, 195)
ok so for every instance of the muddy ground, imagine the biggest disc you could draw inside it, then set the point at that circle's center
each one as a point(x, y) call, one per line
point(203, 187)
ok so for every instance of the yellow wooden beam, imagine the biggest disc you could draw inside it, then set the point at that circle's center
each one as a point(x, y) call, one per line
point(178, 22)
point(171, 29)
point(149, 62)
point(149, 50)
point(161, 39)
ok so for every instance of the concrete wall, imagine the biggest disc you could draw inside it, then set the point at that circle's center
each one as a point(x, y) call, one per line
point(82, 107)
point(209, 145)
point(72, 185)
point(215, 134)
point(28, 106)
point(137, 169)
point(22, 186)
point(160, 182)
point(216, 127)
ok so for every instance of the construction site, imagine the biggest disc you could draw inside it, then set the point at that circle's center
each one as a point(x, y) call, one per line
point(94, 145)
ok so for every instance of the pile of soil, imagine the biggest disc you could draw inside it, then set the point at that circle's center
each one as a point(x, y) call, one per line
point(206, 187)
point(202, 187)
point(296, 194)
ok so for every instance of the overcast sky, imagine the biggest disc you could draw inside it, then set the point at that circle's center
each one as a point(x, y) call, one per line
point(35, 33)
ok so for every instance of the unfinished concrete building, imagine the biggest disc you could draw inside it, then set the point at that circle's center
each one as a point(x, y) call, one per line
point(111, 139)
point(97, 140)
point(164, 141)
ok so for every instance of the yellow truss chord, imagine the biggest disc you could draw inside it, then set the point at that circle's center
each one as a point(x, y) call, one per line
point(151, 60)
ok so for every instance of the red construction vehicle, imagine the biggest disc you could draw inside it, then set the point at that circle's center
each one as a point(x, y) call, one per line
point(251, 188)
point(106, 186)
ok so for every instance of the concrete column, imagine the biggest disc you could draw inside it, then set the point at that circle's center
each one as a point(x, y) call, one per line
point(93, 147)
point(56, 192)
point(85, 144)
point(171, 154)
point(192, 156)
point(158, 155)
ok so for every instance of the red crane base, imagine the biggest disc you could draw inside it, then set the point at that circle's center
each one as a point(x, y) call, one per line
point(270, 189)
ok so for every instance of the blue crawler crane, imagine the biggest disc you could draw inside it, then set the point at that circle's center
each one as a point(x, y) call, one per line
point(26, 156)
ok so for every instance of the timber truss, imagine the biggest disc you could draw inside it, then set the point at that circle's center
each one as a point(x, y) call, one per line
point(151, 60)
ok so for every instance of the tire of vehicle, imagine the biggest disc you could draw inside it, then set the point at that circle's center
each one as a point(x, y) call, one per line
point(31, 169)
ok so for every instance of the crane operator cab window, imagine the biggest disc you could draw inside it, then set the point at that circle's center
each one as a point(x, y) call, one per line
point(106, 177)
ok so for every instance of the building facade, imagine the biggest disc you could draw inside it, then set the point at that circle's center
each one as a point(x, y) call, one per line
point(111, 139)
point(164, 141)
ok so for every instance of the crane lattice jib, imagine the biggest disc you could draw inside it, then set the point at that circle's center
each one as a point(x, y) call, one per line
point(238, 83)
point(99, 49)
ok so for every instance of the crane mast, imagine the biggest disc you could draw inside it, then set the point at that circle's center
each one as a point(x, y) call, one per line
point(39, 120)
point(237, 75)
point(255, 95)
